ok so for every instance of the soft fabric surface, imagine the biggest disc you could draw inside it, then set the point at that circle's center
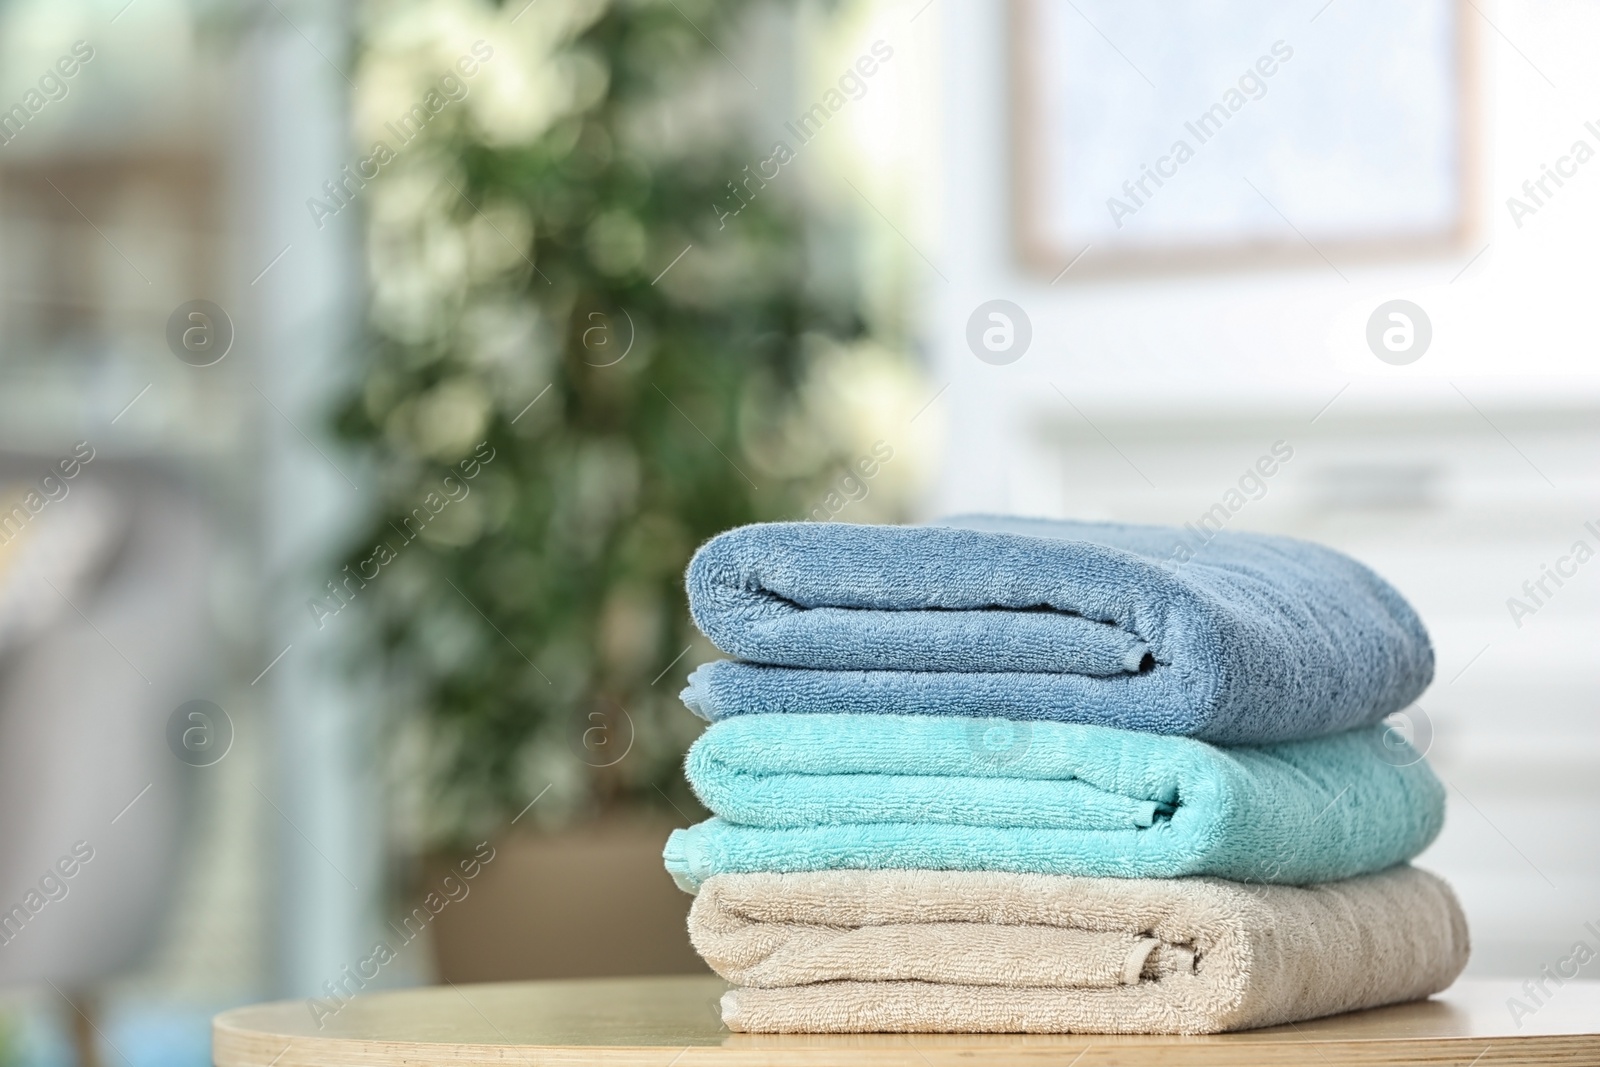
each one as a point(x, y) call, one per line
point(816, 792)
point(851, 951)
point(1255, 639)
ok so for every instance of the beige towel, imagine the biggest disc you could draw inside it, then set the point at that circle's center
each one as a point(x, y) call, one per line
point(980, 951)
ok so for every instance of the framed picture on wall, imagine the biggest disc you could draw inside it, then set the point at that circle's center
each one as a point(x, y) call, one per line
point(1242, 133)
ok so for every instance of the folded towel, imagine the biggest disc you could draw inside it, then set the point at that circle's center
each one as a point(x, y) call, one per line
point(817, 792)
point(1255, 639)
point(853, 951)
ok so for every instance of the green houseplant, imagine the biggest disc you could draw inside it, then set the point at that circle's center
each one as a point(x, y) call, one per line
point(581, 364)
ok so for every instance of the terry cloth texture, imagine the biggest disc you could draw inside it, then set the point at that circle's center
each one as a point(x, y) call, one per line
point(1255, 639)
point(819, 792)
point(854, 951)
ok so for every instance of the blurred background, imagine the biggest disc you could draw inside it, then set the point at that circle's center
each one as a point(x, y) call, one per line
point(368, 373)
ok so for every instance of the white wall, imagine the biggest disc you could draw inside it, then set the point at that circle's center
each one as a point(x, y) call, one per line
point(1515, 324)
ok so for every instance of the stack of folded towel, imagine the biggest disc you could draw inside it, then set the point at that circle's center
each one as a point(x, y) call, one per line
point(1017, 775)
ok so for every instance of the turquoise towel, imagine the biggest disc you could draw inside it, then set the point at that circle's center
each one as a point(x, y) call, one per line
point(819, 792)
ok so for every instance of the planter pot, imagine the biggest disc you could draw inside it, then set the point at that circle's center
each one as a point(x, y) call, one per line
point(586, 902)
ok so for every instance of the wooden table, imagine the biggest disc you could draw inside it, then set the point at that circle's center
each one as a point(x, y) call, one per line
point(674, 1022)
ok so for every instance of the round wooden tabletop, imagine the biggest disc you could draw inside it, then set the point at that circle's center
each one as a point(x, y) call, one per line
point(675, 1022)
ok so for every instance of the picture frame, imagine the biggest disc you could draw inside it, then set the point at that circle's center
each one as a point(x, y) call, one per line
point(1341, 159)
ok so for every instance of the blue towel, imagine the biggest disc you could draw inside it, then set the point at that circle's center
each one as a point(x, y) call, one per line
point(820, 792)
point(1255, 639)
